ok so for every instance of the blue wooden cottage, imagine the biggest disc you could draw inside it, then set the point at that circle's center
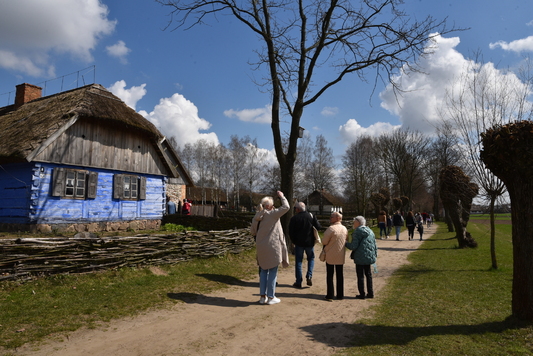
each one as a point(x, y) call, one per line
point(82, 160)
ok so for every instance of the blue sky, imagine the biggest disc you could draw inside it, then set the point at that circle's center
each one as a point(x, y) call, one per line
point(198, 84)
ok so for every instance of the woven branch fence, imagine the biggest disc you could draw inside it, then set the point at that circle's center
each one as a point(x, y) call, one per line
point(24, 258)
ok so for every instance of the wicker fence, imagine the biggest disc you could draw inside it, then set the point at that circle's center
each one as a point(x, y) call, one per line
point(27, 257)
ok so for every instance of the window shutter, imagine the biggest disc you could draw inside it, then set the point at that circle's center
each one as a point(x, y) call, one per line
point(118, 186)
point(93, 181)
point(142, 188)
point(58, 178)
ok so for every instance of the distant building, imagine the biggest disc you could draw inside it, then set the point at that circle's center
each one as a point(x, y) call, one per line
point(322, 202)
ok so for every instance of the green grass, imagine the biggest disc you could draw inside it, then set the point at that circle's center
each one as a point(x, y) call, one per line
point(36, 309)
point(448, 301)
point(487, 217)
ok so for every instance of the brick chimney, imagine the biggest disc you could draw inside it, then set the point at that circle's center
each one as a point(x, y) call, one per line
point(25, 93)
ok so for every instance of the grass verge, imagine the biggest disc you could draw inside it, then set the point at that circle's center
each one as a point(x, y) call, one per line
point(63, 303)
point(448, 302)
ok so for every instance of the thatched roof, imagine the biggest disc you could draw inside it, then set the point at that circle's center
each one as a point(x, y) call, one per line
point(23, 129)
point(327, 198)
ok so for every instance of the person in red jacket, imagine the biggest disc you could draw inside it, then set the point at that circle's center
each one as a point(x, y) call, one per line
point(186, 209)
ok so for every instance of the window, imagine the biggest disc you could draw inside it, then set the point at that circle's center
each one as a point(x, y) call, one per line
point(129, 187)
point(74, 183)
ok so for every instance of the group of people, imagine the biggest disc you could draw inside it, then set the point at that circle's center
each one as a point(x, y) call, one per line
point(411, 221)
point(272, 249)
point(184, 209)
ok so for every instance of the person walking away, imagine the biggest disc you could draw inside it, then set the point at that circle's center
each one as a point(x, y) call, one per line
point(389, 225)
point(397, 221)
point(420, 228)
point(411, 224)
point(301, 235)
point(270, 246)
point(186, 209)
point(382, 223)
point(334, 240)
point(171, 206)
point(365, 253)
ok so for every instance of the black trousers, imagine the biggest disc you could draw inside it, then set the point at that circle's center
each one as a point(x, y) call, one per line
point(363, 271)
point(339, 272)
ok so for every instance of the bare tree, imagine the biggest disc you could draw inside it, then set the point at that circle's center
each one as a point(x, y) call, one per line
point(321, 171)
point(403, 153)
point(305, 40)
point(360, 168)
point(442, 152)
point(457, 193)
point(481, 98)
point(303, 186)
point(253, 166)
point(238, 156)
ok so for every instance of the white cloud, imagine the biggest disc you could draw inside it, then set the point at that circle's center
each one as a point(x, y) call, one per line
point(418, 107)
point(351, 129)
point(260, 115)
point(30, 30)
point(119, 50)
point(129, 96)
point(423, 106)
point(178, 117)
point(12, 61)
point(521, 45)
point(329, 111)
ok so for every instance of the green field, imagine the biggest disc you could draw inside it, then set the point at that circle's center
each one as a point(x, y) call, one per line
point(448, 301)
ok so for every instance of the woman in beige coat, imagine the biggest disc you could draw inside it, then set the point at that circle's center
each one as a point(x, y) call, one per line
point(334, 240)
point(271, 247)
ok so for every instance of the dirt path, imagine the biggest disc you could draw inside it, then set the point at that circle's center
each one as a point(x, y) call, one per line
point(231, 322)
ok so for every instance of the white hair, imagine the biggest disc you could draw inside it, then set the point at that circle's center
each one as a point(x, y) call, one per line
point(267, 201)
point(361, 220)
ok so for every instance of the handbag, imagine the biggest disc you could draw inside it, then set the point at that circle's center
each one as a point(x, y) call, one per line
point(317, 236)
point(322, 256)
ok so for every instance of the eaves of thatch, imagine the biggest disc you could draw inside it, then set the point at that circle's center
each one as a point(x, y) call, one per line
point(26, 129)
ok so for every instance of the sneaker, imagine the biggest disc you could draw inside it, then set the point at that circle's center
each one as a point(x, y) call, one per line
point(263, 300)
point(328, 299)
point(297, 285)
point(273, 301)
point(309, 281)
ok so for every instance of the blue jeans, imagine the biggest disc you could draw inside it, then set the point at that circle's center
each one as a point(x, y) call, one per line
point(299, 257)
point(398, 230)
point(267, 281)
point(382, 229)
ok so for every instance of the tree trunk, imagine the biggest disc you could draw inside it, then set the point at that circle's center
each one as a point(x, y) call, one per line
point(287, 187)
point(454, 213)
point(508, 153)
point(493, 233)
point(522, 220)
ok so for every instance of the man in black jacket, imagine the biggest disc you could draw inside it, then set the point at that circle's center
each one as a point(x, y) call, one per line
point(303, 238)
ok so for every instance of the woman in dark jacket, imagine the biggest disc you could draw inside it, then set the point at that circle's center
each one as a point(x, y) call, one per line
point(365, 253)
point(410, 222)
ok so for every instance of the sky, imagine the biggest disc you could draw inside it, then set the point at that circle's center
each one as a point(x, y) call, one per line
point(197, 83)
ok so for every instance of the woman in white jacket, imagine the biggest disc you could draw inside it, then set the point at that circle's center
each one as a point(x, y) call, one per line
point(271, 246)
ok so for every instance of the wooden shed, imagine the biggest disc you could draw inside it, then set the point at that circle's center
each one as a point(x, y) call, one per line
point(82, 160)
